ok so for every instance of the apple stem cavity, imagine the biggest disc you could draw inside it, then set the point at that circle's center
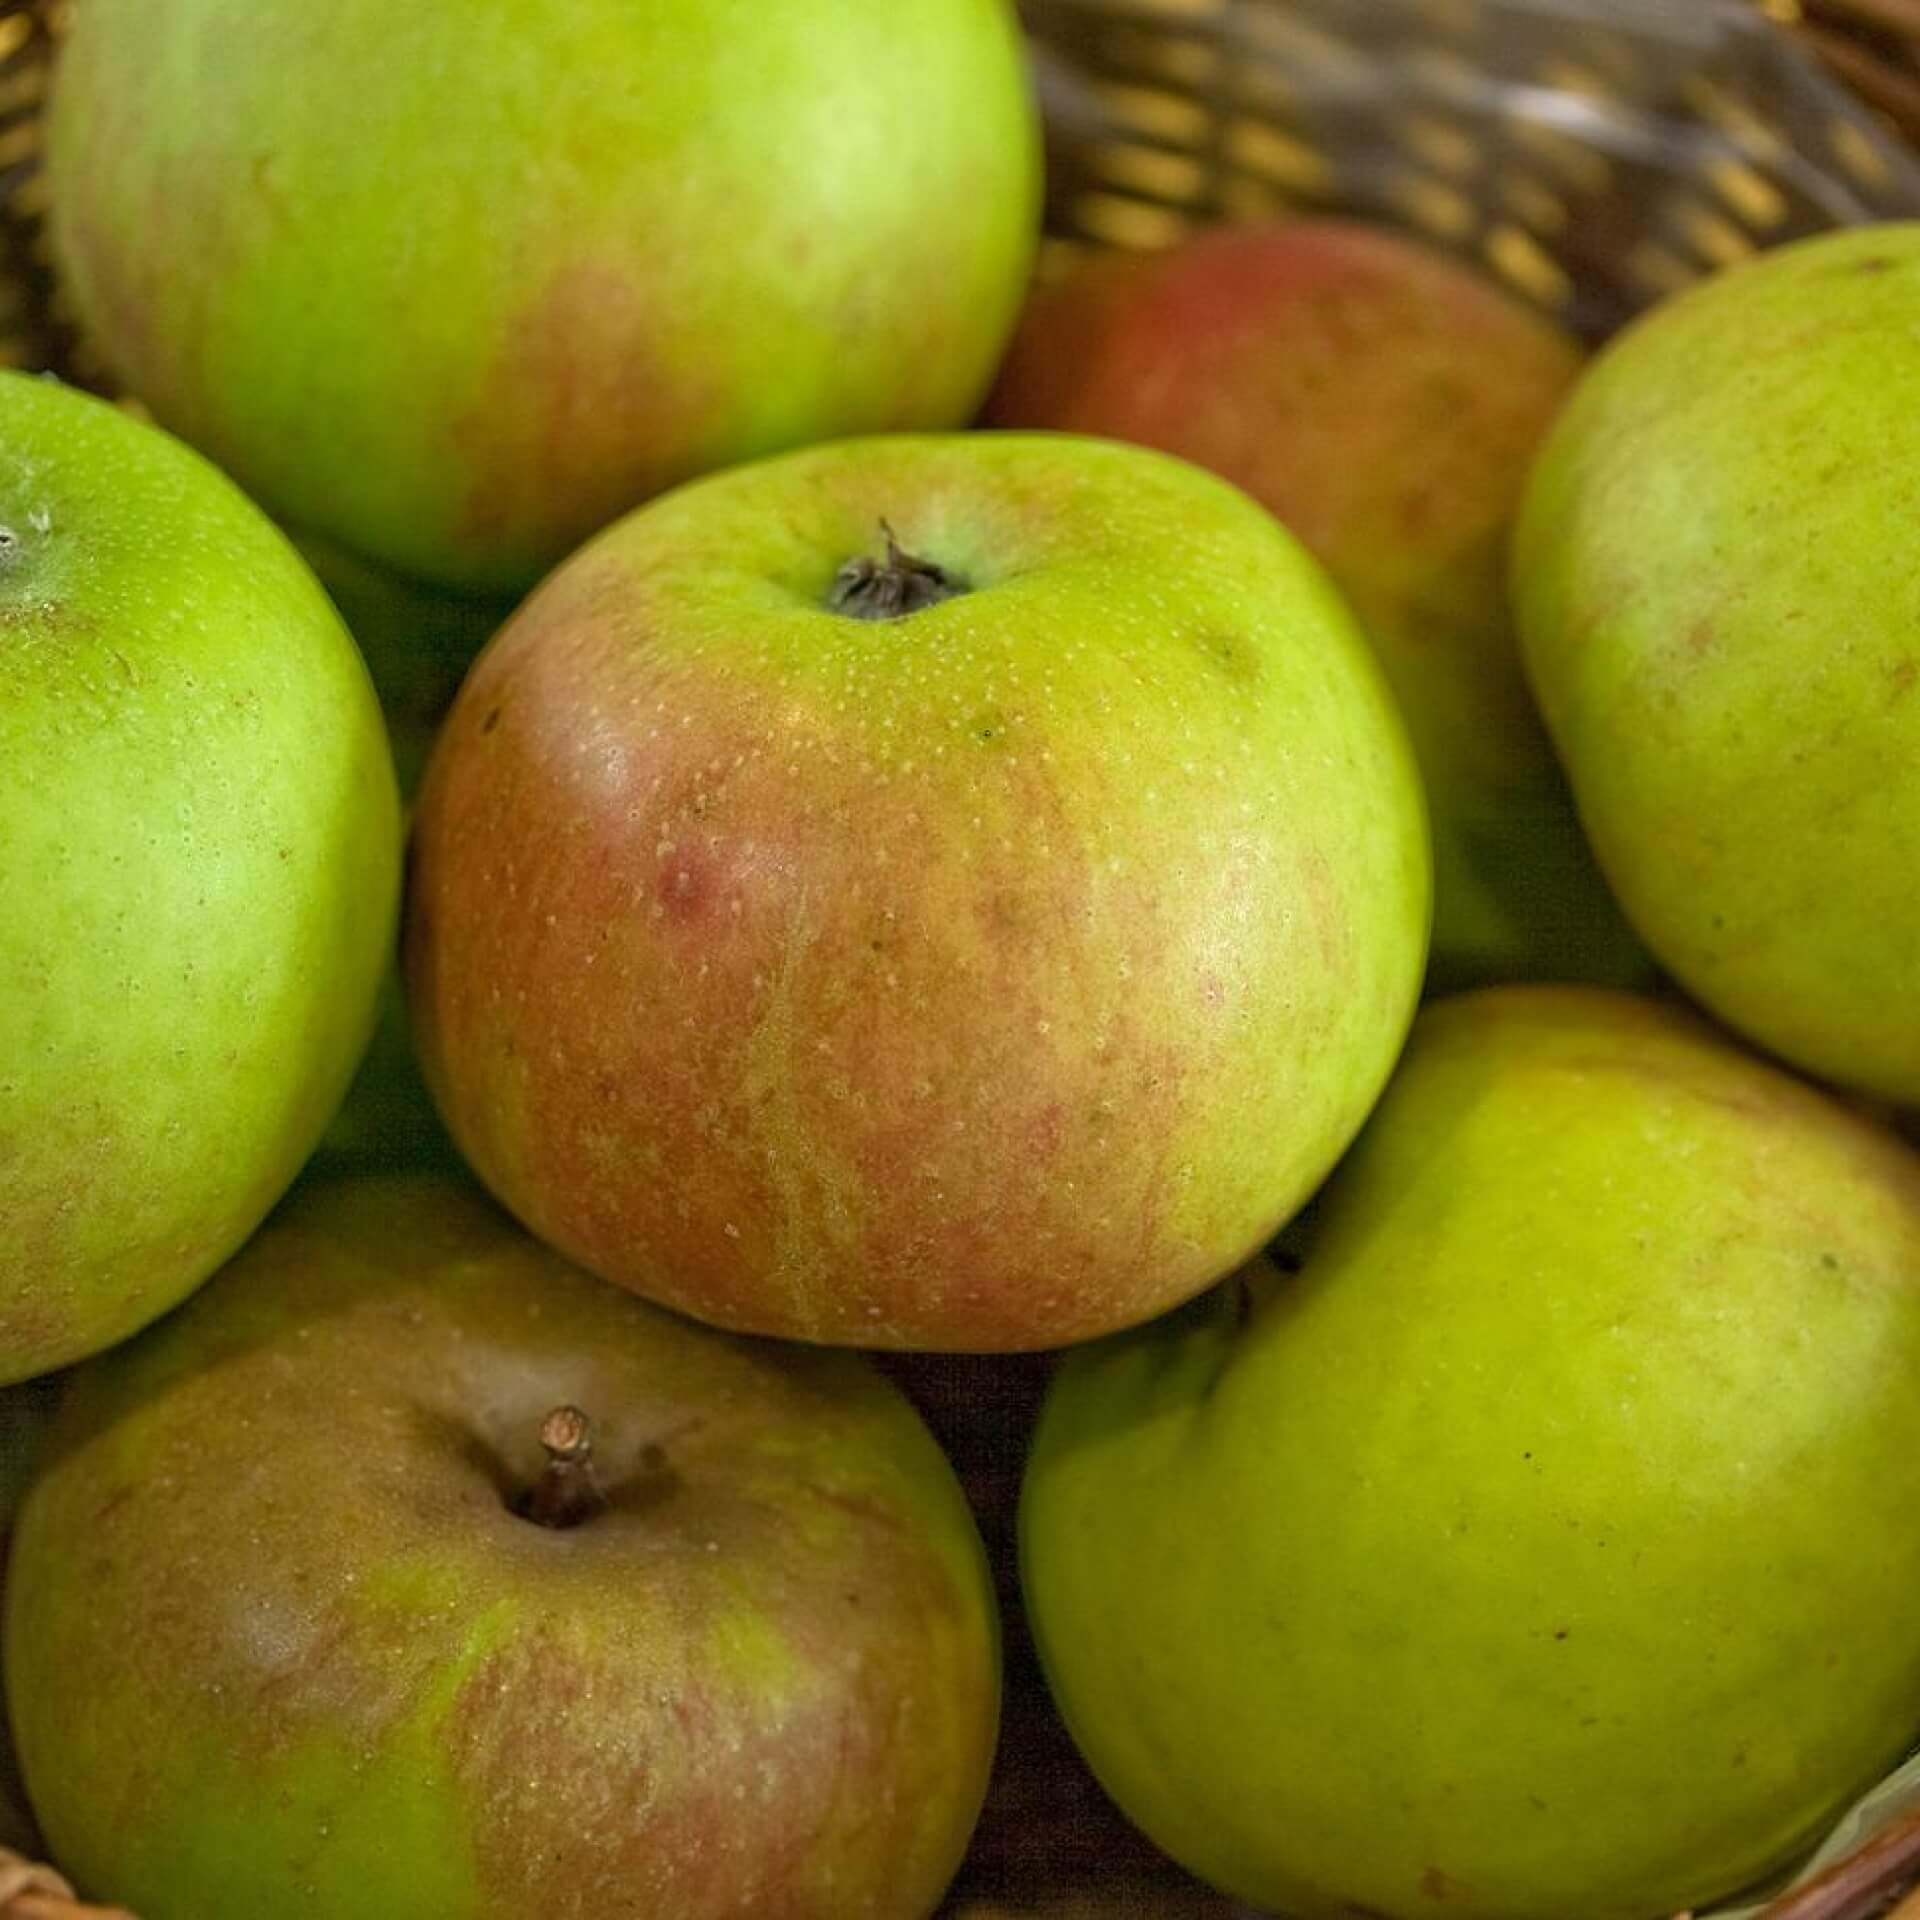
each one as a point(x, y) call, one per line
point(889, 589)
point(568, 1492)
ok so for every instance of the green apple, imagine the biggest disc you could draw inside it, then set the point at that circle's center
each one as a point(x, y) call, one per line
point(199, 865)
point(1386, 402)
point(1547, 1545)
point(1720, 616)
point(950, 891)
point(300, 1623)
point(457, 282)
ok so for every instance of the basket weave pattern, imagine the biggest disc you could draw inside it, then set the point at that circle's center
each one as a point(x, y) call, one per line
point(1640, 169)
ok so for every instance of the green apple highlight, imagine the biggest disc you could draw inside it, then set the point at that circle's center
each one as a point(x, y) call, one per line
point(1546, 1546)
point(947, 891)
point(1721, 616)
point(459, 281)
point(199, 871)
point(353, 1644)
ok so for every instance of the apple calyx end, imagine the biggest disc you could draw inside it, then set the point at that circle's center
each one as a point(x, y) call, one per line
point(889, 589)
point(568, 1491)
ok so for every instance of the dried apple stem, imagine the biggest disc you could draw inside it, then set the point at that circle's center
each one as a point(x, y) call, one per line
point(569, 1491)
point(887, 589)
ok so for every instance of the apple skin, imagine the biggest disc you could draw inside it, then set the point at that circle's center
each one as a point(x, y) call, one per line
point(1719, 613)
point(1549, 1544)
point(277, 1643)
point(457, 282)
point(985, 978)
point(1385, 401)
point(200, 848)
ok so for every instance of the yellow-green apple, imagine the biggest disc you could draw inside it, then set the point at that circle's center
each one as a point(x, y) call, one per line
point(457, 282)
point(304, 1621)
point(199, 871)
point(1545, 1546)
point(943, 891)
point(1385, 401)
point(26, 1409)
point(1720, 618)
point(418, 644)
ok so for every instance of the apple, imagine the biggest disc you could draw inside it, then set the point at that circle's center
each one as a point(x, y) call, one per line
point(1719, 615)
point(200, 860)
point(300, 1623)
point(929, 891)
point(1385, 401)
point(458, 283)
point(1547, 1545)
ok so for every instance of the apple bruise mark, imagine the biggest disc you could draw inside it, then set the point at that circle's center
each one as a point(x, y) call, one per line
point(889, 589)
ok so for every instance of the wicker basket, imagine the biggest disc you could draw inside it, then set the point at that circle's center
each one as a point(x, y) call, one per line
point(1594, 155)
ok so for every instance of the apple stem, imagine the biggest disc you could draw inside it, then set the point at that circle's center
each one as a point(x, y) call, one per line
point(888, 589)
point(568, 1491)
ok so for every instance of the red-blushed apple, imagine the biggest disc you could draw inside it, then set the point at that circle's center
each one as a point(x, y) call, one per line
point(409, 1571)
point(199, 871)
point(1386, 401)
point(956, 891)
point(1546, 1545)
point(458, 281)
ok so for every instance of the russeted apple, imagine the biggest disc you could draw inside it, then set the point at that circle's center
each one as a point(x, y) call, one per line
point(199, 870)
point(1386, 401)
point(408, 1571)
point(951, 891)
point(458, 281)
point(1546, 1545)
